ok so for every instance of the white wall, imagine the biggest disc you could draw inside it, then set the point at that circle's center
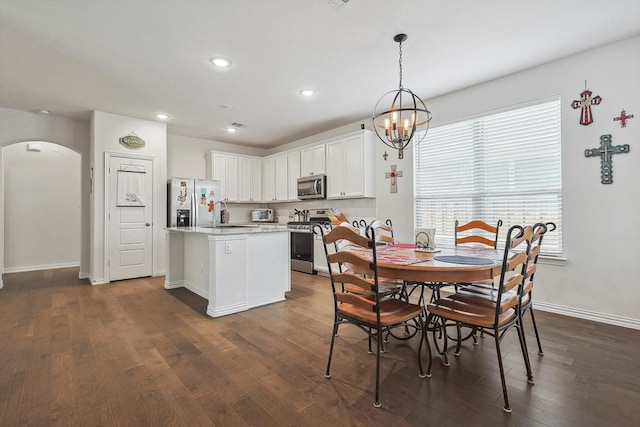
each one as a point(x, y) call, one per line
point(42, 207)
point(19, 126)
point(600, 221)
point(106, 130)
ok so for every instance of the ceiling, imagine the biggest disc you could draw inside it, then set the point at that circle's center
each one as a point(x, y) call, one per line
point(140, 57)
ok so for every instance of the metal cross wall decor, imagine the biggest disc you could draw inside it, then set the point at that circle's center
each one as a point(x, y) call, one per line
point(622, 118)
point(393, 175)
point(606, 152)
point(586, 101)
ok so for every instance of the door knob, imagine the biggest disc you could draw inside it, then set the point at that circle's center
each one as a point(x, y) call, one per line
point(147, 224)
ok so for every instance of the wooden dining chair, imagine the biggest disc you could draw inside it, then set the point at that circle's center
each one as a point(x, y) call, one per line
point(494, 319)
point(477, 231)
point(384, 230)
point(369, 310)
point(490, 294)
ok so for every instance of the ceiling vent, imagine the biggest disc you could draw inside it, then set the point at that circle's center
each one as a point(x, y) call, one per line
point(338, 3)
point(238, 125)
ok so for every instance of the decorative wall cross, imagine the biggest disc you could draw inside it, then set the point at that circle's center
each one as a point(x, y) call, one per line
point(586, 101)
point(622, 118)
point(606, 152)
point(393, 175)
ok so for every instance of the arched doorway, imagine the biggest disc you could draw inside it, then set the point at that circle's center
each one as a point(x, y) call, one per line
point(41, 202)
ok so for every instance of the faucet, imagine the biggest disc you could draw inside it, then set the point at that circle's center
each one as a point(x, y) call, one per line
point(224, 213)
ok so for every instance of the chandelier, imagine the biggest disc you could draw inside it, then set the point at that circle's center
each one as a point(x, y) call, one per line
point(400, 114)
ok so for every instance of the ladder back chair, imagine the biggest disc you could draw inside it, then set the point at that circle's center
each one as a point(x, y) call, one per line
point(494, 319)
point(355, 263)
point(384, 230)
point(490, 294)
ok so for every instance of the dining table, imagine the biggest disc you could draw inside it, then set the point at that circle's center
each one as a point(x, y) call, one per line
point(434, 269)
point(446, 264)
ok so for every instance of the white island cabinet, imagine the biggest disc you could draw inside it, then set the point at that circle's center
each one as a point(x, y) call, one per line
point(235, 269)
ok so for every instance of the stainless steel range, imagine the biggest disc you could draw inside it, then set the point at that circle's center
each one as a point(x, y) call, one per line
point(302, 240)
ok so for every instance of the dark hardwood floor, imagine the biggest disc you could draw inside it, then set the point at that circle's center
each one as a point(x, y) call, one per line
point(131, 353)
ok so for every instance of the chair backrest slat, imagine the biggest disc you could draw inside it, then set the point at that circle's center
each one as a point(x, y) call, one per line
point(489, 238)
point(355, 299)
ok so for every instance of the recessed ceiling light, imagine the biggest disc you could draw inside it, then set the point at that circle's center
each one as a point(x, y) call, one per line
point(43, 112)
point(307, 92)
point(225, 107)
point(220, 62)
point(231, 129)
point(162, 116)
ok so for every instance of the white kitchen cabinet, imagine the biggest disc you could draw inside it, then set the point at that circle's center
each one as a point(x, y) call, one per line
point(282, 178)
point(250, 179)
point(275, 179)
point(234, 270)
point(224, 167)
point(269, 179)
point(312, 160)
point(293, 160)
point(351, 166)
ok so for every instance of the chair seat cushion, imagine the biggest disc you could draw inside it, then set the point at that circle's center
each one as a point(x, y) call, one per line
point(392, 312)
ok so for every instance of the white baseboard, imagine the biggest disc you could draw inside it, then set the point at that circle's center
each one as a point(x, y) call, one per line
point(40, 267)
point(611, 319)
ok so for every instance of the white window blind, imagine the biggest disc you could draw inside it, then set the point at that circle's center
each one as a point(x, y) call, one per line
point(504, 166)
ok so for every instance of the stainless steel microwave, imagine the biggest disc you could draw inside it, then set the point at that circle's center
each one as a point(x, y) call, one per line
point(312, 187)
point(262, 215)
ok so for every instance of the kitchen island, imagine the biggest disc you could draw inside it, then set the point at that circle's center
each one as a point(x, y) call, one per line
point(235, 267)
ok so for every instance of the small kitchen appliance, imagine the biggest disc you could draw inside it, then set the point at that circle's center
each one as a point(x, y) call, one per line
point(262, 215)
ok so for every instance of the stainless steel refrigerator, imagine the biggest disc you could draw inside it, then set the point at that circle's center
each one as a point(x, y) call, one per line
point(193, 202)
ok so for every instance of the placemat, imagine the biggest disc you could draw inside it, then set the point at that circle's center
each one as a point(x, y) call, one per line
point(459, 259)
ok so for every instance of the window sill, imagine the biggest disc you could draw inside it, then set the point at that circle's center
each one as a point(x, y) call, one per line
point(552, 260)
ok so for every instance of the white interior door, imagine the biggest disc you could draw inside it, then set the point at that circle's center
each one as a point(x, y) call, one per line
point(130, 216)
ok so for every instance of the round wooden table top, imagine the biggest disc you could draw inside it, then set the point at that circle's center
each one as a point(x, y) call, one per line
point(400, 261)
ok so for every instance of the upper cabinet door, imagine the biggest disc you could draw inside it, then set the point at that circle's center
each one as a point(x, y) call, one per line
point(250, 180)
point(293, 159)
point(244, 192)
point(351, 166)
point(225, 169)
point(335, 174)
point(312, 160)
point(256, 180)
point(232, 179)
point(282, 175)
point(269, 179)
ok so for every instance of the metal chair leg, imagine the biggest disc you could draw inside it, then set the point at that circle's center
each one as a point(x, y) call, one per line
point(377, 403)
point(535, 329)
point(506, 407)
point(525, 352)
point(333, 339)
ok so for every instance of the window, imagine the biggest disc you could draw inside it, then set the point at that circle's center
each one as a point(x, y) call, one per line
point(501, 166)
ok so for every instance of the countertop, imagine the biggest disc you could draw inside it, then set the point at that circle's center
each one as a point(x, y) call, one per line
point(232, 229)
